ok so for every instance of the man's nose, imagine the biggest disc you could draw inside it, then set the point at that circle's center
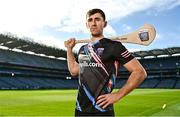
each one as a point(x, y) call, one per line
point(93, 22)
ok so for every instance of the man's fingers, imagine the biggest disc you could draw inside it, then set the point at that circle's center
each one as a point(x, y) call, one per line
point(72, 40)
point(70, 43)
point(105, 100)
point(101, 100)
point(101, 96)
point(106, 105)
point(102, 103)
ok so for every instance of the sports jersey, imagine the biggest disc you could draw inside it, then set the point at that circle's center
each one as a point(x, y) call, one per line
point(99, 64)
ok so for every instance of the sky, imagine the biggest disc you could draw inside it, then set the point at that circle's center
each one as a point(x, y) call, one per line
point(51, 22)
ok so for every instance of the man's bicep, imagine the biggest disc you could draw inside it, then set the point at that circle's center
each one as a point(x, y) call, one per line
point(133, 65)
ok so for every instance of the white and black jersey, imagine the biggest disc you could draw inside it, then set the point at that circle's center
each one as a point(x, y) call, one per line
point(99, 64)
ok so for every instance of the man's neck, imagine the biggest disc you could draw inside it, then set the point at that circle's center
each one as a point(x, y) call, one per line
point(96, 38)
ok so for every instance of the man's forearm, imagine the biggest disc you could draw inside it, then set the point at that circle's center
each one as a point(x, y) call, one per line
point(72, 64)
point(135, 79)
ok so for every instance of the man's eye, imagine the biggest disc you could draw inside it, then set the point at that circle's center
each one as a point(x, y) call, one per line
point(89, 20)
point(97, 19)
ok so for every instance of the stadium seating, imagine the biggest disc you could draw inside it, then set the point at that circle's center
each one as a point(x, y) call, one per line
point(150, 83)
point(167, 83)
point(120, 82)
point(25, 71)
point(7, 56)
point(177, 86)
point(160, 63)
point(37, 83)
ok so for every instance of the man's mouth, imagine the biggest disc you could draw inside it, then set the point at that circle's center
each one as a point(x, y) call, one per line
point(92, 29)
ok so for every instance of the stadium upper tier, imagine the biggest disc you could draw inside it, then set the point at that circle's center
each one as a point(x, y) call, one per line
point(19, 58)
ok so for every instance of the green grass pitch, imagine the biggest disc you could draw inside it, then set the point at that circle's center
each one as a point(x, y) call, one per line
point(141, 102)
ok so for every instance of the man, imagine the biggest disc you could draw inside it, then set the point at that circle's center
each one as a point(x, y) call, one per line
point(97, 67)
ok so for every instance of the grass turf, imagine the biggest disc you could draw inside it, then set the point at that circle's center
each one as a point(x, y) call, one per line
point(141, 102)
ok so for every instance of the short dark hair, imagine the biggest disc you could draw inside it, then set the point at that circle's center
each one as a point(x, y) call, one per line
point(94, 11)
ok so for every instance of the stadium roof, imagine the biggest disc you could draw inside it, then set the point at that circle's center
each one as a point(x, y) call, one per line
point(13, 42)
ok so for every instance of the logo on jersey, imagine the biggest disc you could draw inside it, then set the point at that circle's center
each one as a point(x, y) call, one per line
point(99, 51)
point(85, 64)
point(84, 61)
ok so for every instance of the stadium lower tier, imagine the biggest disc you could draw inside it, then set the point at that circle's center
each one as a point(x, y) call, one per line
point(59, 83)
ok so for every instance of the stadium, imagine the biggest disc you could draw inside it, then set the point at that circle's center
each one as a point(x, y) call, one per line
point(34, 81)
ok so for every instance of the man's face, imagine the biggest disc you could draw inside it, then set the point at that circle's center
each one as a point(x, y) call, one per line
point(95, 23)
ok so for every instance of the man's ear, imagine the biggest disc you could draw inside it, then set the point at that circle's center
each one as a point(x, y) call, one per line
point(105, 23)
point(87, 25)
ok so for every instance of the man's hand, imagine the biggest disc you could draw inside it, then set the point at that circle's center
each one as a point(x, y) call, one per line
point(107, 99)
point(69, 44)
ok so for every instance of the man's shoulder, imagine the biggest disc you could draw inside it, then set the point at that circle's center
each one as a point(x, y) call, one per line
point(110, 41)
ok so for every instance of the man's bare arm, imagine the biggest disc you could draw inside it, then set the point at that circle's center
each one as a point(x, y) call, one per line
point(138, 74)
point(73, 66)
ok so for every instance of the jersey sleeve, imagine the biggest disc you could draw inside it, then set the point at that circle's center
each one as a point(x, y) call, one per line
point(121, 53)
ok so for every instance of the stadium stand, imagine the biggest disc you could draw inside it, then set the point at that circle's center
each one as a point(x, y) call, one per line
point(21, 70)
